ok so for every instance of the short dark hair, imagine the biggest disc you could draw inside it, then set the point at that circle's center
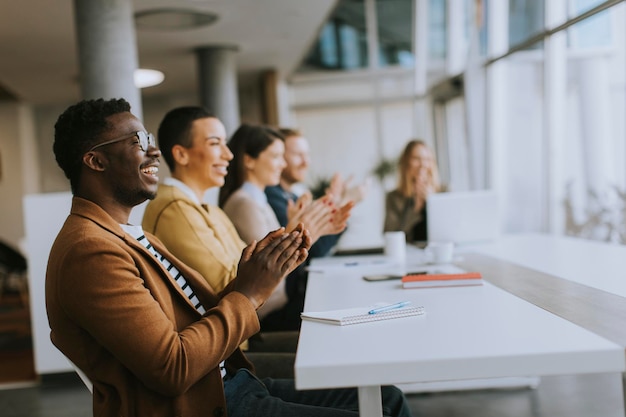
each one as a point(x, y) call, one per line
point(77, 130)
point(175, 129)
point(248, 140)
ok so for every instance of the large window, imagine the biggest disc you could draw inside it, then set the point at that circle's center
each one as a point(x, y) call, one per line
point(593, 180)
point(437, 31)
point(578, 7)
point(342, 42)
point(526, 97)
point(523, 143)
point(555, 127)
point(395, 31)
point(525, 19)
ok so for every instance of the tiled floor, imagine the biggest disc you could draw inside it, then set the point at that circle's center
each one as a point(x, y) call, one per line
point(568, 396)
point(563, 396)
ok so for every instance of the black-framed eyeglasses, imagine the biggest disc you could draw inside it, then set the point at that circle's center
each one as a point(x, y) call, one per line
point(145, 140)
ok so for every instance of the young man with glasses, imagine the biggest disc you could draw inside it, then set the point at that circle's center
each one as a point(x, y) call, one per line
point(147, 330)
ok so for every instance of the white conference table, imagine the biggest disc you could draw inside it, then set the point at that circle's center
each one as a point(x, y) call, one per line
point(467, 333)
point(580, 280)
point(595, 264)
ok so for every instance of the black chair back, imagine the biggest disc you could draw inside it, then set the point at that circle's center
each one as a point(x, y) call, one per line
point(11, 260)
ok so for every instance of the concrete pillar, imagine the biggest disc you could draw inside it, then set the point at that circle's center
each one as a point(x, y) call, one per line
point(217, 70)
point(107, 50)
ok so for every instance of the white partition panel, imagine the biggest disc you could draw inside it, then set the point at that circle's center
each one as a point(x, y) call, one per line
point(44, 215)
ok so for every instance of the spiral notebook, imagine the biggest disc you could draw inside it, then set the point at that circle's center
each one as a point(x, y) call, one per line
point(357, 315)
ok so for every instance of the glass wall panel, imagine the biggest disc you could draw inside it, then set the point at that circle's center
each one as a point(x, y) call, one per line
point(522, 143)
point(578, 7)
point(458, 155)
point(526, 18)
point(437, 31)
point(594, 177)
point(592, 33)
point(342, 43)
point(479, 10)
point(458, 106)
point(395, 32)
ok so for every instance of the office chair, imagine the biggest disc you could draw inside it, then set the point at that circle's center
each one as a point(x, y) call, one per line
point(82, 376)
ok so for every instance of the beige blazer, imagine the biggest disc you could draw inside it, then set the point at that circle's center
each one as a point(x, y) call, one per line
point(253, 221)
point(201, 236)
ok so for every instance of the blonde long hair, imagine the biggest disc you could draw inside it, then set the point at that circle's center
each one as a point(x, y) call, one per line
point(404, 184)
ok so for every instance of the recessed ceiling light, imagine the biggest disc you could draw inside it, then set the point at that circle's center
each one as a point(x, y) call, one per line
point(173, 19)
point(147, 77)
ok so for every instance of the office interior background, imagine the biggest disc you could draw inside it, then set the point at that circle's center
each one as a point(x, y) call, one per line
point(526, 97)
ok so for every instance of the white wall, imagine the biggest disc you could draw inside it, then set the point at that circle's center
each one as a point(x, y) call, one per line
point(339, 117)
point(51, 177)
point(19, 170)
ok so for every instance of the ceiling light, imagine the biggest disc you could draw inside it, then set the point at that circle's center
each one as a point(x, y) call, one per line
point(148, 77)
point(173, 19)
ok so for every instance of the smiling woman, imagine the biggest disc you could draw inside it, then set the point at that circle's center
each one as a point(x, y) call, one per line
point(193, 143)
point(257, 163)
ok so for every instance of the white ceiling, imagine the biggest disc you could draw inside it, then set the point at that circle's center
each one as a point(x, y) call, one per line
point(39, 62)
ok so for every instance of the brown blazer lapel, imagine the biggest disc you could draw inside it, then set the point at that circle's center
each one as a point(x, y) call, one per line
point(207, 297)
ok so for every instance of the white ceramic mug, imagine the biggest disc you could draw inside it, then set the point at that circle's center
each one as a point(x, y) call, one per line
point(395, 246)
point(440, 252)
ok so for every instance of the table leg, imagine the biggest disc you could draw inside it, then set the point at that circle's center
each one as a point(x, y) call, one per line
point(624, 391)
point(370, 401)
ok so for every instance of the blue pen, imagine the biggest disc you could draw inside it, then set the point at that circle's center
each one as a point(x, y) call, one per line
point(389, 307)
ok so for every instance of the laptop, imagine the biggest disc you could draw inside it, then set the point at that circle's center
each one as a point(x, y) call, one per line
point(463, 217)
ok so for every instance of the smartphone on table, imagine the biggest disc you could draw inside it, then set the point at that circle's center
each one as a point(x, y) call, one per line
point(385, 277)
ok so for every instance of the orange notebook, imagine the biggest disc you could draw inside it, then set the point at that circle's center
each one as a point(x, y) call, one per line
point(442, 279)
